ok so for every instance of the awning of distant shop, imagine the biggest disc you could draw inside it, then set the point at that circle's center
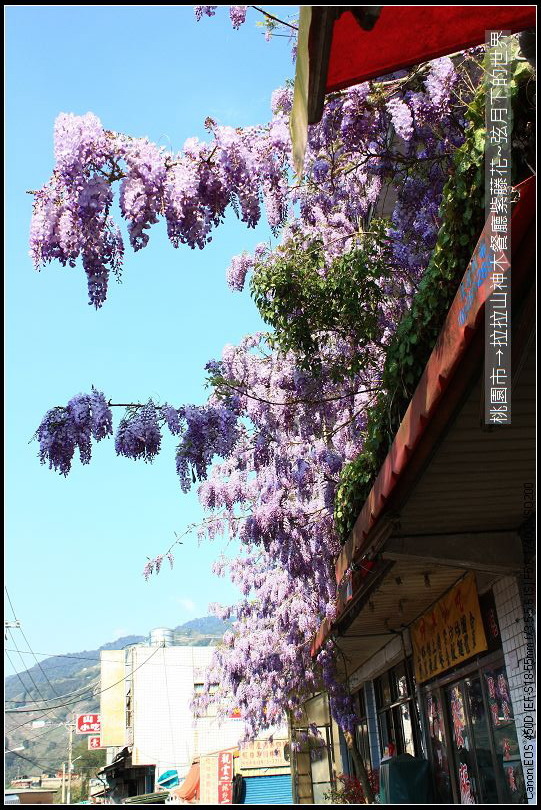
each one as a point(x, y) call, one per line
point(121, 762)
point(339, 46)
point(190, 787)
point(442, 387)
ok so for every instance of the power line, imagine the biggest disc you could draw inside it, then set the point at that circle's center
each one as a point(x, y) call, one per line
point(70, 703)
point(47, 711)
point(25, 687)
point(87, 658)
point(75, 692)
point(10, 604)
point(43, 733)
point(28, 644)
point(38, 663)
point(37, 764)
point(62, 655)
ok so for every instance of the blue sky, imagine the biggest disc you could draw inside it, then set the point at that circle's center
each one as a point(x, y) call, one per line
point(75, 547)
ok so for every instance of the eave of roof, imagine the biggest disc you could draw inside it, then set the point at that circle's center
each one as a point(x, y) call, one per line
point(407, 35)
point(334, 51)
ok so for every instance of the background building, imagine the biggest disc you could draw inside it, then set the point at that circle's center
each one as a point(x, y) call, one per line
point(147, 722)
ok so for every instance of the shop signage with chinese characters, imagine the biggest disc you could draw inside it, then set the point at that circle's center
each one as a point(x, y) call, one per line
point(87, 724)
point(263, 754)
point(451, 632)
point(225, 777)
point(208, 779)
point(94, 743)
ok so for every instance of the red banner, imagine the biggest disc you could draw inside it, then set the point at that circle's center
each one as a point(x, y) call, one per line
point(225, 777)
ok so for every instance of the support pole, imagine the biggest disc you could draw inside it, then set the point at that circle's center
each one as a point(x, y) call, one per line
point(70, 749)
point(63, 801)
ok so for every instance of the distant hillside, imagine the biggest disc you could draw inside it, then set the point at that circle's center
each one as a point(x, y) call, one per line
point(69, 683)
point(200, 632)
point(208, 625)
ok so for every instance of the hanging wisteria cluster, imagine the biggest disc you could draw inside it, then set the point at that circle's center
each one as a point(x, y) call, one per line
point(65, 429)
point(353, 162)
point(282, 439)
point(207, 431)
point(268, 446)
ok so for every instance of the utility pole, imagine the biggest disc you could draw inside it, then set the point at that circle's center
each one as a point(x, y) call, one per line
point(63, 801)
point(70, 749)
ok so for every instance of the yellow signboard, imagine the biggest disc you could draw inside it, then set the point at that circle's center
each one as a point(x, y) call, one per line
point(264, 754)
point(450, 632)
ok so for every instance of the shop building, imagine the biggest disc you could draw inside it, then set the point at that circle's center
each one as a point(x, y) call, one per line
point(255, 773)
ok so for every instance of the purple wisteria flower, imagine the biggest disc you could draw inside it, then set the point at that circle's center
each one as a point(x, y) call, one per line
point(282, 100)
point(65, 429)
point(440, 81)
point(138, 435)
point(172, 418)
point(202, 10)
point(210, 430)
point(237, 15)
point(237, 270)
point(401, 117)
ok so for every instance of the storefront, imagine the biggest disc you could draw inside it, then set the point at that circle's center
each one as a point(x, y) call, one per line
point(468, 713)
point(462, 717)
point(256, 773)
point(474, 747)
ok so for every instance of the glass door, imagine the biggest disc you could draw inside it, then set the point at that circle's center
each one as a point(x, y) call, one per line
point(482, 744)
point(485, 757)
point(462, 747)
point(506, 745)
point(438, 748)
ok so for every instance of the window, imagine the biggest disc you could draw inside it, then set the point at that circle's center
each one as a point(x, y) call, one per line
point(199, 690)
point(397, 711)
point(129, 712)
point(362, 731)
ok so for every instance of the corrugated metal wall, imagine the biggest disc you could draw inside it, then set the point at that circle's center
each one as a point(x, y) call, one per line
point(267, 790)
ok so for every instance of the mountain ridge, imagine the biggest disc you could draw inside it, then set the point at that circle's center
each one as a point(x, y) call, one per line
point(68, 683)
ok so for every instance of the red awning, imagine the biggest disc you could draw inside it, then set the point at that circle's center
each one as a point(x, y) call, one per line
point(190, 787)
point(337, 49)
point(406, 35)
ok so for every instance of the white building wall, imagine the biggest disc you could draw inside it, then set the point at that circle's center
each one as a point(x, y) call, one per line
point(517, 660)
point(165, 732)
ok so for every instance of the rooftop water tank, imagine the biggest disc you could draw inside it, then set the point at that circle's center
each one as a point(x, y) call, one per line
point(162, 637)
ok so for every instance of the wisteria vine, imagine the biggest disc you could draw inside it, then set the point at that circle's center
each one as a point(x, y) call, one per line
point(267, 448)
